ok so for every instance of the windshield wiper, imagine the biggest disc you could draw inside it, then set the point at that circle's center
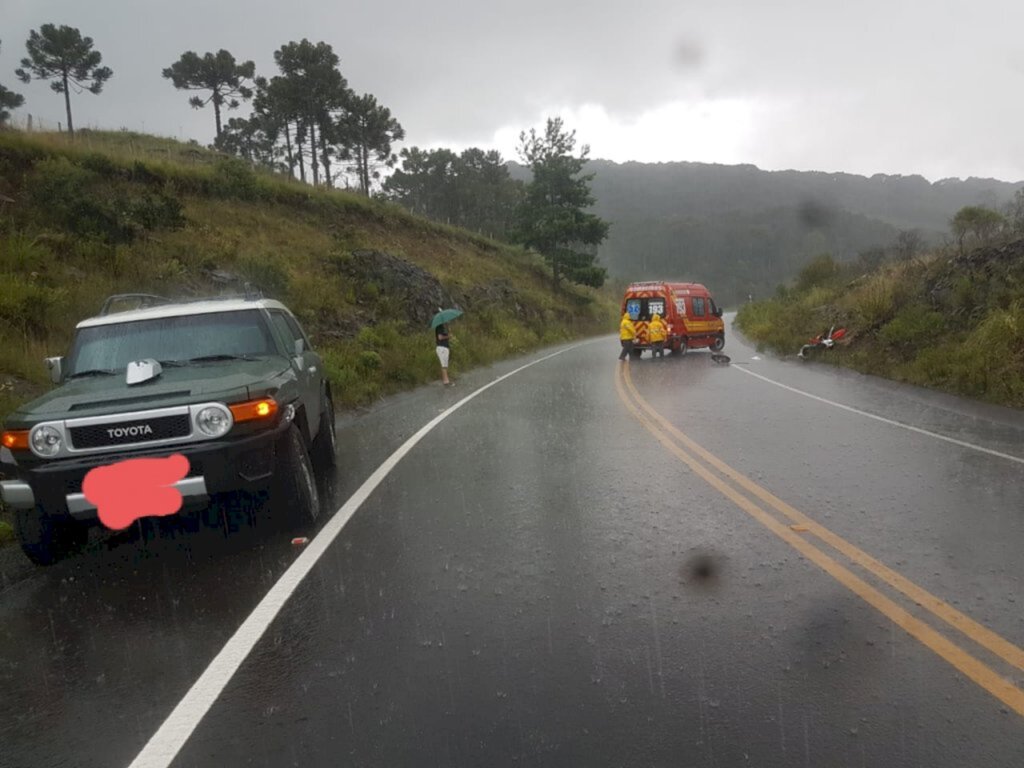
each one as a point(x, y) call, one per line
point(93, 372)
point(215, 358)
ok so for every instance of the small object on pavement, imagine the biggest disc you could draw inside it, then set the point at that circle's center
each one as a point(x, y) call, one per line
point(721, 359)
point(300, 541)
point(798, 528)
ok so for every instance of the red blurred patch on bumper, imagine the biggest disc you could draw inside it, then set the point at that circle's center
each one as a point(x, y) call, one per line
point(135, 488)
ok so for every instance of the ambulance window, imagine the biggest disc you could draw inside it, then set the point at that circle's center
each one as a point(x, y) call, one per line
point(714, 307)
point(681, 306)
point(644, 308)
point(698, 307)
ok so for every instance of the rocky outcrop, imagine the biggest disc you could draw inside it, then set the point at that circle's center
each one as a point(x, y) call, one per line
point(416, 291)
point(497, 293)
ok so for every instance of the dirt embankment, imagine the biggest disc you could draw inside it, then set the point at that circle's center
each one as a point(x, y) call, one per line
point(81, 221)
point(949, 321)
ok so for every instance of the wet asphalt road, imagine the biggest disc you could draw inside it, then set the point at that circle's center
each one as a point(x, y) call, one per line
point(541, 581)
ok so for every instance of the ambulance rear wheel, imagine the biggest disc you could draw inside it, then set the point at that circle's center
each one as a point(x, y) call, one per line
point(681, 349)
point(718, 343)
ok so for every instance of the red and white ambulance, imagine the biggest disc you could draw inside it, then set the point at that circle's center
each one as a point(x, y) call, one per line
point(694, 320)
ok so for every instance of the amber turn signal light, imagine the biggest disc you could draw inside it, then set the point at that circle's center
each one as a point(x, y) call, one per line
point(254, 409)
point(16, 440)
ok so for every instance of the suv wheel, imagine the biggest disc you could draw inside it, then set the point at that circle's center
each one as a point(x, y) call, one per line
point(324, 453)
point(46, 540)
point(294, 497)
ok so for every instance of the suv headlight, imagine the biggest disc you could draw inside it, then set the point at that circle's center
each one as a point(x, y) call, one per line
point(214, 421)
point(46, 441)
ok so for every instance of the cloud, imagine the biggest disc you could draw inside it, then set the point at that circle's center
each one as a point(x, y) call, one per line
point(878, 85)
point(711, 131)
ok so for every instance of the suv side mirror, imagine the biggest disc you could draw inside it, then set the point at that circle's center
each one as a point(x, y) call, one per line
point(300, 347)
point(55, 366)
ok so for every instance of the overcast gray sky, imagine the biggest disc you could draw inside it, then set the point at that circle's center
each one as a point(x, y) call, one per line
point(872, 86)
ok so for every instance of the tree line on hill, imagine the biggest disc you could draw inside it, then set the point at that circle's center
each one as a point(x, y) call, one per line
point(306, 120)
point(734, 227)
point(743, 231)
point(472, 189)
point(742, 254)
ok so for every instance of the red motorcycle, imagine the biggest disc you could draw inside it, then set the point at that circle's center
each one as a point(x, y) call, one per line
point(823, 340)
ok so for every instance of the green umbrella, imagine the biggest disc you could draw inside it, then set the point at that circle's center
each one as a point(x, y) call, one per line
point(444, 316)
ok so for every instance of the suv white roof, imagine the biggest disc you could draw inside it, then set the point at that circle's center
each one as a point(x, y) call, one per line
point(182, 309)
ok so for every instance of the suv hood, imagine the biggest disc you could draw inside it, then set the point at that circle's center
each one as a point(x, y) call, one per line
point(97, 395)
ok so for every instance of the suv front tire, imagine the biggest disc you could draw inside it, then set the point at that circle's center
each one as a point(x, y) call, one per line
point(46, 540)
point(324, 453)
point(294, 497)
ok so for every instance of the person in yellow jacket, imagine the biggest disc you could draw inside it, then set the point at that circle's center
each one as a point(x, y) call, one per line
point(657, 334)
point(627, 332)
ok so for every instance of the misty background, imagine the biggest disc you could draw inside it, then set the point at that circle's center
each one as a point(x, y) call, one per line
point(680, 102)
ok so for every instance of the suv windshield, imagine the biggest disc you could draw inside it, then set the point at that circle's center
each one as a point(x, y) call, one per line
point(242, 333)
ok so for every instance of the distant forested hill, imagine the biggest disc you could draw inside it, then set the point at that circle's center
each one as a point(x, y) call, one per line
point(743, 230)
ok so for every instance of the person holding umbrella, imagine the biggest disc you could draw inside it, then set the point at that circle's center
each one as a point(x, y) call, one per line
point(442, 338)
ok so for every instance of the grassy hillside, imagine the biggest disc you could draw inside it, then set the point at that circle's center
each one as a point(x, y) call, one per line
point(951, 322)
point(122, 212)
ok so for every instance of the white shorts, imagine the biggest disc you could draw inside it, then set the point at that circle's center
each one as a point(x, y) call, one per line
point(442, 355)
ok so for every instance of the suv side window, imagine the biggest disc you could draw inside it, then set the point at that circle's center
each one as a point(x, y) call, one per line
point(284, 330)
point(698, 307)
point(296, 330)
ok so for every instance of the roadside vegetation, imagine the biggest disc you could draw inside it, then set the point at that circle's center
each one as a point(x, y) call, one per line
point(306, 122)
point(951, 319)
point(115, 213)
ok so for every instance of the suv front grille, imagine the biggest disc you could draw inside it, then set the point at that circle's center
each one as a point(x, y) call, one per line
point(141, 430)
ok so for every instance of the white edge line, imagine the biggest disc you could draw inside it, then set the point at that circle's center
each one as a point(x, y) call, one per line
point(168, 740)
point(936, 435)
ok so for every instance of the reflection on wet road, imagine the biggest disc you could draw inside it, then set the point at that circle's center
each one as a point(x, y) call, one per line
point(692, 455)
point(665, 562)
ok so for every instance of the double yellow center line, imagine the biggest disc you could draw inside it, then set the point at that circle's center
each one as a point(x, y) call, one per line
point(799, 530)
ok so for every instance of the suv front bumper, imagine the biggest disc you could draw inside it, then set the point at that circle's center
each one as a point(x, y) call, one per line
point(19, 495)
point(220, 466)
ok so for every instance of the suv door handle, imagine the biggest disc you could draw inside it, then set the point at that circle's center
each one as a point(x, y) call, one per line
point(312, 369)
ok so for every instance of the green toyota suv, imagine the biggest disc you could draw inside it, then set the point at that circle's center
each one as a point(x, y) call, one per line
point(233, 384)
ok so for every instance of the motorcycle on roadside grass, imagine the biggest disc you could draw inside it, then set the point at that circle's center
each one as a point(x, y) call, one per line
point(822, 341)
